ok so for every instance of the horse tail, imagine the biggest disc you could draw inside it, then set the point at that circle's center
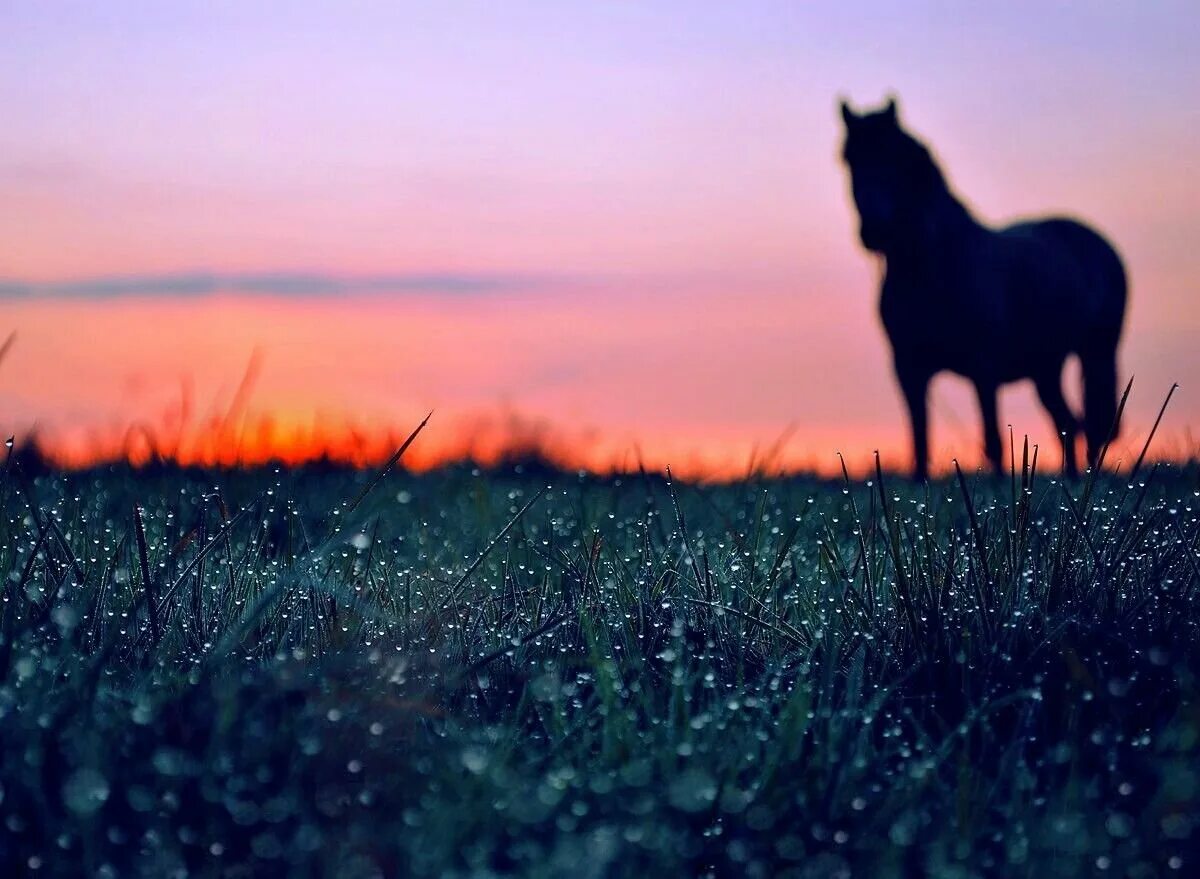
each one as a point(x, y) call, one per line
point(1099, 399)
point(1099, 360)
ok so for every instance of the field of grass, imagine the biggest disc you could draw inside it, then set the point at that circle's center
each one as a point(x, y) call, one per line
point(518, 672)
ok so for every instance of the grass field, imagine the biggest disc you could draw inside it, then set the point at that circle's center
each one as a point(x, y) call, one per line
point(521, 672)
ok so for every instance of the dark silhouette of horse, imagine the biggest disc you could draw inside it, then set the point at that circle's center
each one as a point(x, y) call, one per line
point(994, 305)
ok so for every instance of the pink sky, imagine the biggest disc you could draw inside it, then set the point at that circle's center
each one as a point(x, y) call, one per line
point(646, 203)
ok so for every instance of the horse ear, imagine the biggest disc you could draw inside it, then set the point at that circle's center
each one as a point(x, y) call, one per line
point(848, 115)
point(891, 109)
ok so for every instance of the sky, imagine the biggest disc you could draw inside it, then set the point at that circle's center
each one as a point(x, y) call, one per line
point(619, 229)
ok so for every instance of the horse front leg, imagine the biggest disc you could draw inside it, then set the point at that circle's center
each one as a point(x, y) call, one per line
point(914, 383)
point(986, 391)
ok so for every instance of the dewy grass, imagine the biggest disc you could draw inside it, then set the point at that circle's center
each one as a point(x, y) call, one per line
point(484, 673)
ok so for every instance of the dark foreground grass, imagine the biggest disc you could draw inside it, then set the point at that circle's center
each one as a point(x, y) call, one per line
point(512, 674)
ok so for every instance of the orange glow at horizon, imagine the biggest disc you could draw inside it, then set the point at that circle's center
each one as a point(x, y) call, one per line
point(246, 380)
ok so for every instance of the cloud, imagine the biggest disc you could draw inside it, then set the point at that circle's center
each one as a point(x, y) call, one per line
point(188, 284)
point(41, 171)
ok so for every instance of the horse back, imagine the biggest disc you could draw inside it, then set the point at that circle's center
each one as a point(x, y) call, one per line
point(1064, 275)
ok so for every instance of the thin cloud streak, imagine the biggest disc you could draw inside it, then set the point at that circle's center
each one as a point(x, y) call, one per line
point(197, 284)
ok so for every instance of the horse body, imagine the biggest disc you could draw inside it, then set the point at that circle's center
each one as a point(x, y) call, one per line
point(992, 305)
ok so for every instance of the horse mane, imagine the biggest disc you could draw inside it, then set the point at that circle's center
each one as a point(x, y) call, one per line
point(923, 170)
point(943, 211)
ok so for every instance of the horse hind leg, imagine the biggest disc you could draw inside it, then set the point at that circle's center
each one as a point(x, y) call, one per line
point(1099, 399)
point(1049, 388)
point(993, 446)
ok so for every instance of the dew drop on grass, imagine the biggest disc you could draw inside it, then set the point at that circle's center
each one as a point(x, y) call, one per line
point(85, 791)
point(474, 759)
point(693, 790)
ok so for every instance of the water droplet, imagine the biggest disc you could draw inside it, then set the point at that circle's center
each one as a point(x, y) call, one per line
point(85, 792)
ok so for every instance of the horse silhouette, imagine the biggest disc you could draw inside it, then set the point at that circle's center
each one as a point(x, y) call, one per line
point(994, 305)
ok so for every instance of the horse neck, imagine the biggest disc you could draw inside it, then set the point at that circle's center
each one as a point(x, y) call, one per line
point(946, 228)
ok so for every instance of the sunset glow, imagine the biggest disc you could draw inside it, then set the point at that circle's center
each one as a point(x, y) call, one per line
point(617, 236)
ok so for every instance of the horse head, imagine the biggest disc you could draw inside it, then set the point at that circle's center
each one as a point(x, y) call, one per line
point(893, 178)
